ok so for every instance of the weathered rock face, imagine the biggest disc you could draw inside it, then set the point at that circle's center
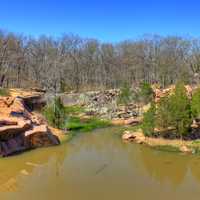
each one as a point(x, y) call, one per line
point(33, 99)
point(20, 129)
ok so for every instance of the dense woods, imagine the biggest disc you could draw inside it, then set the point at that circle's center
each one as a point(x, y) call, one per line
point(72, 62)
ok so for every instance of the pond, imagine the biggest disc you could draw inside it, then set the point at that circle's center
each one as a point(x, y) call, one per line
point(99, 166)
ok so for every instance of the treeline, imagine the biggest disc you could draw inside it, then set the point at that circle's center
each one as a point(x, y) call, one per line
point(74, 63)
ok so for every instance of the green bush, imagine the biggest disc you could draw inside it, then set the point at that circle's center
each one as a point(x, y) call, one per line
point(145, 93)
point(55, 113)
point(175, 111)
point(180, 110)
point(195, 104)
point(4, 92)
point(125, 95)
point(163, 113)
point(148, 124)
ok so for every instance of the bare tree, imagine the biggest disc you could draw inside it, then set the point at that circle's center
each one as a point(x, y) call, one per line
point(75, 63)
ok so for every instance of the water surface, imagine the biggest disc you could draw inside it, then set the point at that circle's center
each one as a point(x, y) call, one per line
point(99, 166)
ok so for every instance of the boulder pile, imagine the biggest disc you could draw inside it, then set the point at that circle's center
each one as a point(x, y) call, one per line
point(126, 115)
point(104, 105)
point(21, 129)
point(126, 111)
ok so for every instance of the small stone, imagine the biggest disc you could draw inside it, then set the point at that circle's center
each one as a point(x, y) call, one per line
point(185, 149)
point(128, 136)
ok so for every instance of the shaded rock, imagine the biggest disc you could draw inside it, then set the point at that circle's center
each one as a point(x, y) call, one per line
point(59, 133)
point(4, 122)
point(41, 136)
point(8, 130)
point(33, 99)
point(13, 145)
point(34, 102)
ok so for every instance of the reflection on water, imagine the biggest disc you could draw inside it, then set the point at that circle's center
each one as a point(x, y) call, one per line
point(165, 167)
point(99, 166)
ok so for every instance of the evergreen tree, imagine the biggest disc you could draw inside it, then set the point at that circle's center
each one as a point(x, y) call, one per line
point(163, 115)
point(55, 113)
point(146, 92)
point(180, 110)
point(125, 96)
point(149, 121)
point(175, 111)
point(195, 104)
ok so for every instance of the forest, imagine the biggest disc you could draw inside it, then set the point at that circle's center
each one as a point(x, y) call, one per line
point(70, 62)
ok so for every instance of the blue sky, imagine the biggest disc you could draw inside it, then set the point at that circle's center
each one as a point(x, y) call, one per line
point(106, 20)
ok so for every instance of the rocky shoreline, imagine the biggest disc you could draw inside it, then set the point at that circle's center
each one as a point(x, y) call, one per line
point(178, 145)
point(164, 138)
point(20, 128)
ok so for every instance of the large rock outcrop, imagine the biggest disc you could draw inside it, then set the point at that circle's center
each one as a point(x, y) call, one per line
point(21, 129)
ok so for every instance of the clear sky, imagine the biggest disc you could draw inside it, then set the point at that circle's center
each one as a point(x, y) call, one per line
point(106, 20)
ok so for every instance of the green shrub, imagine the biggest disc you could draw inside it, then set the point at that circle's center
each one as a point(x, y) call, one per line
point(55, 113)
point(175, 111)
point(163, 113)
point(145, 93)
point(148, 124)
point(180, 110)
point(125, 95)
point(4, 92)
point(62, 117)
point(195, 104)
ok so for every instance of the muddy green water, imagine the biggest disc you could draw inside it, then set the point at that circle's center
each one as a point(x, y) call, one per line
point(99, 166)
